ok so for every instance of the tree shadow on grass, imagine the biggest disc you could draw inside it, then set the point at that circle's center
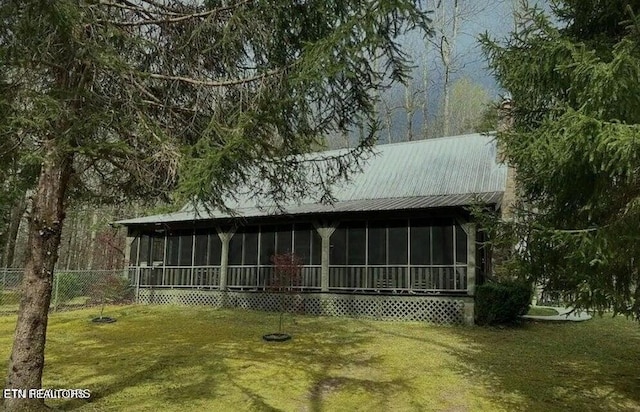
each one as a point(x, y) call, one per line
point(327, 355)
point(561, 366)
point(177, 361)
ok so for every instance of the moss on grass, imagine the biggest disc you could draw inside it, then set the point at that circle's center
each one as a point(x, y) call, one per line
point(196, 358)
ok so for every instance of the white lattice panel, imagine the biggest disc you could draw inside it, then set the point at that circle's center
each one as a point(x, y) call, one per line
point(397, 308)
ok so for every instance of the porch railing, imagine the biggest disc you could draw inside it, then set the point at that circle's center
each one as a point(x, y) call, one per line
point(418, 279)
point(370, 279)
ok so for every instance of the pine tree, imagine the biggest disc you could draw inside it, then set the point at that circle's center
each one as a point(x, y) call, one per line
point(575, 80)
point(124, 99)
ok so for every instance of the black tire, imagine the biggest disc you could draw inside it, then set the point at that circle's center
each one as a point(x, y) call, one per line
point(104, 319)
point(276, 337)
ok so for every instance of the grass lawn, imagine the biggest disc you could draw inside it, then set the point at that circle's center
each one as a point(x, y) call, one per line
point(196, 358)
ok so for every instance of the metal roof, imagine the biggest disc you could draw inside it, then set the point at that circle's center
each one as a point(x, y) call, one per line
point(442, 172)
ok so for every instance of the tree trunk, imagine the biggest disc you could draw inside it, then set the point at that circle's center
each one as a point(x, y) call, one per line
point(45, 225)
point(447, 51)
point(17, 211)
point(71, 240)
point(92, 239)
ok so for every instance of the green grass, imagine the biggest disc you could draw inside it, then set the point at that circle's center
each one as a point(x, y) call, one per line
point(537, 311)
point(10, 303)
point(195, 358)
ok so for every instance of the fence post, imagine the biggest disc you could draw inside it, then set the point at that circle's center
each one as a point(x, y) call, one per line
point(4, 278)
point(56, 282)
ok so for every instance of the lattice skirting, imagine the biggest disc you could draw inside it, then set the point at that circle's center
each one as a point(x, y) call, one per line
point(446, 310)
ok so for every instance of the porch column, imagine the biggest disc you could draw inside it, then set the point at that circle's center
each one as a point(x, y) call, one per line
point(325, 231)
point(225, 238)
point(471, 258)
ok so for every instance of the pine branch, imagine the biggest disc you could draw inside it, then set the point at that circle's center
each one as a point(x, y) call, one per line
point(222, 83)
point(172, 20)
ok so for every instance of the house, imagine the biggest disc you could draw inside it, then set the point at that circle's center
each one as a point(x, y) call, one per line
point(398, 243)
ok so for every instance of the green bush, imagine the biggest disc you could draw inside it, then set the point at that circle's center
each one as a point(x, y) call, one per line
point(502, 302)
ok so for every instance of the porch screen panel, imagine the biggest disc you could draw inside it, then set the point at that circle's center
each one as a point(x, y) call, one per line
point(377, 243)
point(302, 243)
point(283, 239)
point(397, 238)
point(251, 247)
point(442, 246)
point(215, 250)
point(338, 247)
point(173, 250)
point(316, 247)
point(186, 249)
point(144, 249)
point(420, 242)
point(356, 244)
point(267, 244)
point(133, 251)
point(235, 249)
point(461, 245)
point(200, 258)
point(157, 248)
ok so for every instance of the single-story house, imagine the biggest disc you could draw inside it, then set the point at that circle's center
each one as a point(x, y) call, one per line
point(398, 242)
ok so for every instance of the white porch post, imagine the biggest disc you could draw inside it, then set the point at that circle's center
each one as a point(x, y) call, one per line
point(471, 258)
point(225, 238)
point(325, 231)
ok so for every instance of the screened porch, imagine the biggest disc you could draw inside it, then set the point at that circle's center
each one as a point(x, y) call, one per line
point(391, 256)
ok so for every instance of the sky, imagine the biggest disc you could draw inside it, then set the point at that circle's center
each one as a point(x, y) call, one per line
point(491, 16)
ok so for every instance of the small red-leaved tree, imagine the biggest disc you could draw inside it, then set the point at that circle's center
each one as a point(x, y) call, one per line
point(110, 289)
point(286, 276)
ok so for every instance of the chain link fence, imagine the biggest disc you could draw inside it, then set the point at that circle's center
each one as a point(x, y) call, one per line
point(72, 289)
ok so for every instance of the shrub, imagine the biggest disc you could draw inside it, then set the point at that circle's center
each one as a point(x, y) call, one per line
point(502, 302)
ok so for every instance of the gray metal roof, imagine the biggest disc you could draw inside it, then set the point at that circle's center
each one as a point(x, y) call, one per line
point(447, 171)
